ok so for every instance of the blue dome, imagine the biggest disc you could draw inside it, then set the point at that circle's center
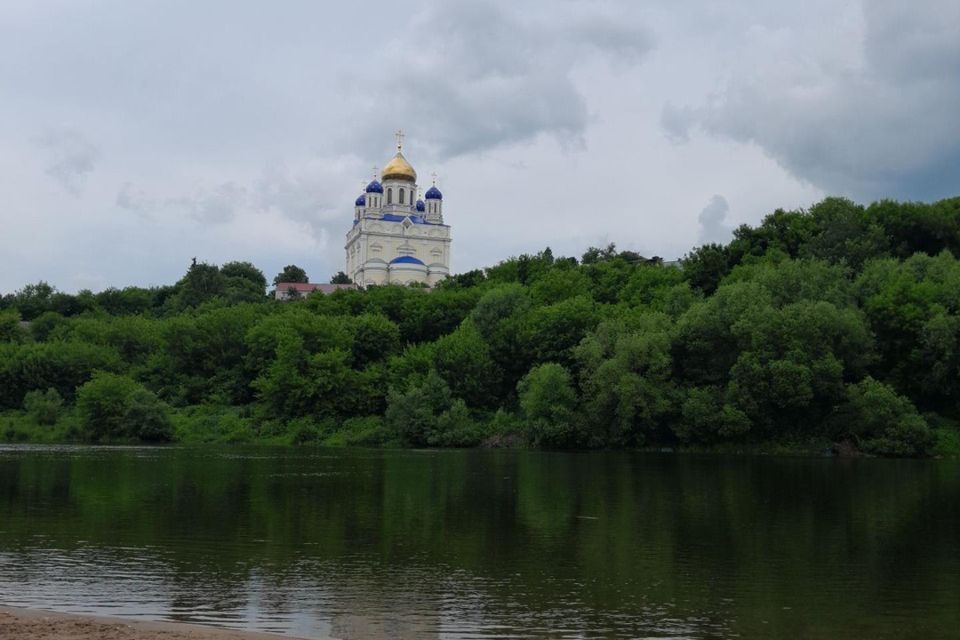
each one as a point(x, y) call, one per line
point(361, 201)
point(374, 187)
point(421, 206)
point(432, 194)
point(405, 260)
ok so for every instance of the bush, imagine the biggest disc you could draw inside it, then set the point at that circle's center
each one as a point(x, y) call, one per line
point(114, 407)
point(10, 329)
point(456, 428)
point(43, 406)
point(884, 422)
point(548, 400)
point(147, 417)
point(359, 432)
point(412, 414)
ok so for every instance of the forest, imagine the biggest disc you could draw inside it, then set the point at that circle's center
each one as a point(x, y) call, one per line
point(831, 329)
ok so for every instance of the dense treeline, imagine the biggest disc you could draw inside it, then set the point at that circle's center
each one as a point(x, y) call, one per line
point(834, 325)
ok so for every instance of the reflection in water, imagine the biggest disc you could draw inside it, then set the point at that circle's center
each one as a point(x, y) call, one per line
point(485, 544)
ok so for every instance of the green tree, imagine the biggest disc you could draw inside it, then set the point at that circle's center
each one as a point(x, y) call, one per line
point(548, 401)
point(203, 282)
point(291, 273)
point(34, 299)
point(244, 282)
point(113, 407)
point(43, 406)
point(341, 278)
point(626, 378)
point(883, 422)
point(706, 266)
point(375, 338)
point(62, 366)
point(413, 413)
point(463, 360)
point(10, 329)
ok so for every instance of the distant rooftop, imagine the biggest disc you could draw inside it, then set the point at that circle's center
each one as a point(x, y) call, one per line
point(283, 290)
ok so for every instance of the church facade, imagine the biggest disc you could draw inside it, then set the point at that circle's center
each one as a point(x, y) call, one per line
point(397, 237)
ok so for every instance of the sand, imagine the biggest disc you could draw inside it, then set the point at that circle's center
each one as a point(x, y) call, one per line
point(35, 624)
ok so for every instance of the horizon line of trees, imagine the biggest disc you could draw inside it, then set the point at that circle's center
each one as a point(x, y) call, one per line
point(838, 324)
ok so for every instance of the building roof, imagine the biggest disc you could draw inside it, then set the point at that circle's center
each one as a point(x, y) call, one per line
point(399, 169)
point(374, 187)
point(406, 260)
point(433, 193)
point(309, 287)
point(392, 217)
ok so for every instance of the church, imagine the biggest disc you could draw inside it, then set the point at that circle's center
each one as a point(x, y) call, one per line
point(397, 237)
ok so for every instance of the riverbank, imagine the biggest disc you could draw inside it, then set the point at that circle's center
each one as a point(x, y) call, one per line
point(36, 624)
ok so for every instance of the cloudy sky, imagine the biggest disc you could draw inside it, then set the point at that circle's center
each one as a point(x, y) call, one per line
point(137, 135)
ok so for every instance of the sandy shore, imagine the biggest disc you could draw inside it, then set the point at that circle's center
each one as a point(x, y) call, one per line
point(36, 624)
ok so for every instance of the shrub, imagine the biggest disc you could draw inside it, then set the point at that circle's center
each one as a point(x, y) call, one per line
point(43, 406)
point(548, 400)
point(367, 431)
point(412, 414)
point(115, 407)
point(884, 422)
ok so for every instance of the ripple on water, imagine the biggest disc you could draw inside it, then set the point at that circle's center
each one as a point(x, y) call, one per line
point(483, 544)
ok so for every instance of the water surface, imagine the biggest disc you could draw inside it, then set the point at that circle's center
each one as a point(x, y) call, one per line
point(485, 544)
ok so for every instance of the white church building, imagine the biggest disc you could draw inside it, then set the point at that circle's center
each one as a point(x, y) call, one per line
point(396, 237)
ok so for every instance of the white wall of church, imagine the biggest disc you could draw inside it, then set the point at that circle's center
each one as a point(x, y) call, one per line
point(374, 243)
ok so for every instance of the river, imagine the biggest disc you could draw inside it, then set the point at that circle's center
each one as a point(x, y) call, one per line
point(355, 544)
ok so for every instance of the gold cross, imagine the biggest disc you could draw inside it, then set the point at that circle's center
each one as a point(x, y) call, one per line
point(399, 135)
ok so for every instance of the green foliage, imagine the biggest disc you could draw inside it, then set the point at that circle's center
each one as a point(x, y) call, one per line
point(413, 414)
point(10, 329)
point(367, 431)
point(375, 339)
point(43, 406)
point(291, 273)
point(626, 378)
point(884, 422)
point(63, 366)
point(341, 278)
point(837, 324)
point(203, 282)
point(548, 401)
point(113, 407)
point(462, 359)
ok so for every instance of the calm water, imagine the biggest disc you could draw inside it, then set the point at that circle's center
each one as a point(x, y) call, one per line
point(485, 544)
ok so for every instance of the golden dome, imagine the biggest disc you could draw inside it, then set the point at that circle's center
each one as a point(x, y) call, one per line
point(399, 169)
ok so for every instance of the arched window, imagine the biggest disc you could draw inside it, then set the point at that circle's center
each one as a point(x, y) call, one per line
point(401, 196)
point(389, 196)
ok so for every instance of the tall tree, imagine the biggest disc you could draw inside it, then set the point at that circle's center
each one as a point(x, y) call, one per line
point(291, 273)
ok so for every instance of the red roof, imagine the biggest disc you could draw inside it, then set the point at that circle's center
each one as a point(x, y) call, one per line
point(309, 287)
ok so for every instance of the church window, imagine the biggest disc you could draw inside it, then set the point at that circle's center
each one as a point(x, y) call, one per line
point(401, 196)
point(389, 196)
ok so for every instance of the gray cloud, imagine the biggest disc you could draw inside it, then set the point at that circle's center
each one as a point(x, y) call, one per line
point(482, 77)
point(220, 205)
point(315, 194)
point(677, 121)
point(130, 198)
point(713, 221)
point(880, 123)
point(70, 157)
